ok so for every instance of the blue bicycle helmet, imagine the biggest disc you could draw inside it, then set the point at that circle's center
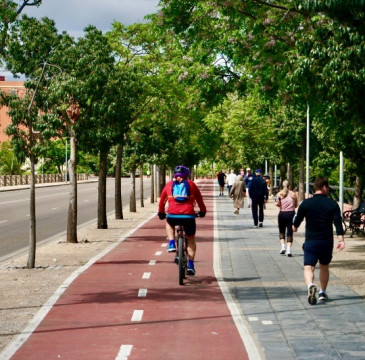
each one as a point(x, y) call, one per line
point(181, 171)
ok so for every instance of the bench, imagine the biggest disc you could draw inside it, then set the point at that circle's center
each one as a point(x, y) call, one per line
point(354, 220)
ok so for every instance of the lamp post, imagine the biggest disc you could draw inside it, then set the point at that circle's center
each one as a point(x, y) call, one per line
point(307, 155)
point(341, 182)
point(66, 163)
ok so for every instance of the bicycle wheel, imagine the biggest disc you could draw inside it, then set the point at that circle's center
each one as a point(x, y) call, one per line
point(181, 257)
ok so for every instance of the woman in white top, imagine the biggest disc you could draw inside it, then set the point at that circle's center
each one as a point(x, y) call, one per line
point(287, 201)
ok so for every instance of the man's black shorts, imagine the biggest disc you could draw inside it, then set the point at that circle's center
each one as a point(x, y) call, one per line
point(188, 223)
point(317, 250)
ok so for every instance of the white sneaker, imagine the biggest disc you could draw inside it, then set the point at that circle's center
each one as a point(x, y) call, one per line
point(282, 251)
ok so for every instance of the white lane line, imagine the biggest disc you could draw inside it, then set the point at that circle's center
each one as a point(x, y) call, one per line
point(142, 292)
point(146, 275)
point(164, 245)
point(158, 253)
point(267, 322)
point(253, 318)
point(137, 315)
point(4, 221)
point(54, 208)
point(152, 262)
point(124, 352)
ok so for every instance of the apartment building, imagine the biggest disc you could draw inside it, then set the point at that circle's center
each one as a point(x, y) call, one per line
point(14, 87)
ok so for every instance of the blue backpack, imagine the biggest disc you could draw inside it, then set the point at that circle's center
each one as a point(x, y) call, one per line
point(181, 191)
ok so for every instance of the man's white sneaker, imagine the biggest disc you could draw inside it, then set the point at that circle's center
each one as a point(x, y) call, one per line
point(322, 296)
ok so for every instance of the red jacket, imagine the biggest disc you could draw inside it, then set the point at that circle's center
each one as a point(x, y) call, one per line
point(181, 208)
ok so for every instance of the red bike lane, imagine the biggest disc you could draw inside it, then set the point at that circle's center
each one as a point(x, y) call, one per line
point(129, 305)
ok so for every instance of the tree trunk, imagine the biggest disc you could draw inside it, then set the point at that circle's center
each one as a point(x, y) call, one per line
point(161, 178)
point(358, 192)
point(118, 184)
point(32, 230)
point(102, 218)
point(152, 184)
point(156, 172)
point(141, 192)
point(192, 173)
point(132, 199)
point(72, 207)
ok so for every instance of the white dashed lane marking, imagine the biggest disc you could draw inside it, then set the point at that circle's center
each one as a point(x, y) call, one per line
point(152, 262)
point(158, 253)
point(146, 275)
point(137, 315)
point(124, 352)
point(142, 292)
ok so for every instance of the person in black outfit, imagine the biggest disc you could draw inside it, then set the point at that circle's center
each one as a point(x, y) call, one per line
point(259, 195)
point(320, 213)
point(221, 177)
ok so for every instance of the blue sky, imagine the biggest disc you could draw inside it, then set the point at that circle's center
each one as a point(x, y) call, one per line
point(74, 15)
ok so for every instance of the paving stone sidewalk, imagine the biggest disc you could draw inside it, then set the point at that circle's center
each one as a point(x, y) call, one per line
point(270, 291)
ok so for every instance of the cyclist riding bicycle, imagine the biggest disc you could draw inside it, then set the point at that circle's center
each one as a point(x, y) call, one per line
point(181, 194)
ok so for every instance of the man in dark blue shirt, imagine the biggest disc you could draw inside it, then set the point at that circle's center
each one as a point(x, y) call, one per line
point(320, 213)
point(259, 195)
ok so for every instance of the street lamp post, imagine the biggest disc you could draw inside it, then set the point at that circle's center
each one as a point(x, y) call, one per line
point(307, 155)
point(66, 163)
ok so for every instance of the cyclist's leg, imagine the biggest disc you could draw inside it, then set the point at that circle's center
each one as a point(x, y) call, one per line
point(190, 230)
point(191, 246)
point(170, 229)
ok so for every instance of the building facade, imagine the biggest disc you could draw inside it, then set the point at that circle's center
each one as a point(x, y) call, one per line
point(12, 87)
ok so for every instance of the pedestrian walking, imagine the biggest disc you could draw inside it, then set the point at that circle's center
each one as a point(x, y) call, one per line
point(259, 196)
point(221, 177)
point(287, 201)
point(247, 179)
point(238, 193)
point(320, 213)
point(231, 179)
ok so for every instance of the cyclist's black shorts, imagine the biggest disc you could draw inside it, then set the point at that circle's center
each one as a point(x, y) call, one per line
point(188, 223)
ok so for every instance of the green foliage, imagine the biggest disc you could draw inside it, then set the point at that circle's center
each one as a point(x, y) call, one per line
point(9, 164)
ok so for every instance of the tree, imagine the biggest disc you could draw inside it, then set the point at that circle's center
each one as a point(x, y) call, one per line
point(9, 12)
point(29, 133)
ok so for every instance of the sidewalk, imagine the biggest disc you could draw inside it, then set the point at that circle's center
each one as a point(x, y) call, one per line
point(98, 312)
point(270, 291)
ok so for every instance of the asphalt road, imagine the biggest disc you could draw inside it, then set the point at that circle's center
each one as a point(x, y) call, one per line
point(51, 212)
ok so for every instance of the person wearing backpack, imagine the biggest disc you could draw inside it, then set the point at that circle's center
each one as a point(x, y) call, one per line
point(181, 194)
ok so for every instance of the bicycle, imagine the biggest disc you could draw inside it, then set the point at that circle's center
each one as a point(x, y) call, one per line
point(182, 253)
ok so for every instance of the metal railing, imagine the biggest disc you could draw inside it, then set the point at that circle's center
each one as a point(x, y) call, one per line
point(13, 180)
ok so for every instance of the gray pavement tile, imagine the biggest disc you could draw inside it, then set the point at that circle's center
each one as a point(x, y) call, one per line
point(269, 289)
